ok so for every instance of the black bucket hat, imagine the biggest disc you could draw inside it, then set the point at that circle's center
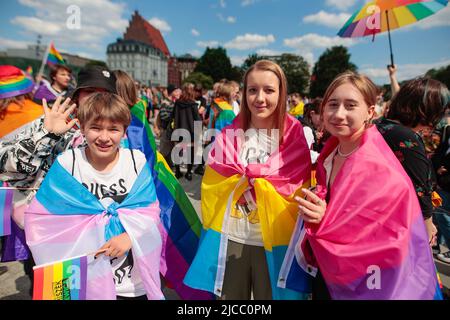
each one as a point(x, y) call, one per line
point(95, 77)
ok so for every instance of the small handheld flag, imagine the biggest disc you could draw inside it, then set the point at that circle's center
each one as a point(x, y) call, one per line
point(62, 280)
point(54, 57)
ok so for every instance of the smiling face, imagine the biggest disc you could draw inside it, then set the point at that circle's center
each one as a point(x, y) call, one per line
point(262, 96)
point(346, 112)
point(103, 138)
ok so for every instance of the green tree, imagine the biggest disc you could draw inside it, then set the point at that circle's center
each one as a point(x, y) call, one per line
point(198, 77)
point(332, 62)
point(296, 70)
point(251, 60)
point(216, 64)
point(441, 74)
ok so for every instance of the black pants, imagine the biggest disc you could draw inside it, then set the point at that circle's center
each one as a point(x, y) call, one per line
point(319, 288)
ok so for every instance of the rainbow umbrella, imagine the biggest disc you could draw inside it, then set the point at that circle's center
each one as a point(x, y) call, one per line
point(385, 15)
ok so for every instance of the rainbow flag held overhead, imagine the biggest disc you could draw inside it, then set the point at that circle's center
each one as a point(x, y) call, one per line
point(54, 57)
point(6, 206)
point(63, 280)
point(181, 224)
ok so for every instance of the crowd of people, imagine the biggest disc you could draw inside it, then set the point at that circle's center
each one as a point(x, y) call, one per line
point(344, 196)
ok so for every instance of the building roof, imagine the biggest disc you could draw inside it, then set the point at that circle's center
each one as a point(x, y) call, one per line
point(141, 30)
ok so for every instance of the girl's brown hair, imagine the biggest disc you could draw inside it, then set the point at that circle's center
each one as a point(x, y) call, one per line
point(188, 92)
point(280, 111)
point(365, 86)
point(104, 106)
point(419, 101)
point(19, 100)
point(126, 87)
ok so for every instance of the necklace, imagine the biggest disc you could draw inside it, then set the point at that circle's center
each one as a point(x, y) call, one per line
point(345, 155)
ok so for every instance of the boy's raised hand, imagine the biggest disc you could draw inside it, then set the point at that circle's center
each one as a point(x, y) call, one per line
point(55, 120)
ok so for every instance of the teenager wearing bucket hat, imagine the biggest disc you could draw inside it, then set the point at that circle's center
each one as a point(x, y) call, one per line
point(17, 110)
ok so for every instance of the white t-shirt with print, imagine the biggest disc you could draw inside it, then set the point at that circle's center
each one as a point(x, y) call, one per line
point(244, 225)
point(109, 187)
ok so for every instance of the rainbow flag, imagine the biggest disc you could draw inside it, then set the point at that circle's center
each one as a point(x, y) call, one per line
point(6, 207)
point(59, 225)
point(226, 114)
point(63, 280)
point(54, 57)
point(371, 243)
point(181, 224)
point(275, 184)
point(29, 71)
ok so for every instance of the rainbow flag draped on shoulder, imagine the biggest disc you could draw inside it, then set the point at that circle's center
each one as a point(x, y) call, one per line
point(63, 280)
point(59, 225)
point(275, 183)
point(179, 219)
point(372, 242)
point(54, 57)
point(226, 114)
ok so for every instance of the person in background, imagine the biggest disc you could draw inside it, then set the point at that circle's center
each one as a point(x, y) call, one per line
point(60, 76)
point(413, 113)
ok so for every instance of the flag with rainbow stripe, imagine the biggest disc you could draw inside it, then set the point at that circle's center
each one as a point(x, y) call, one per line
point(6, 207)
point(182, 226)
point(54, 57)
point(275, 183)
point(63, 280)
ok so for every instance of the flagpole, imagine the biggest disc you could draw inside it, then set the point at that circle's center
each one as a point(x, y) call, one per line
point(389, 35)
point(44, 60)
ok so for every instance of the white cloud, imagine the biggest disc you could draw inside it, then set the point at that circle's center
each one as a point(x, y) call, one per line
point(250, 41)
point(315, 41)
point(246, 3)
point(195, 32)
point(231, 19)
point(222, 3)
point(341, 4)
point(33, 24)
point(327, 19)
point(237, 60)
point(99, 21)
point(160, 24)
point(210, 44)
point(13, 44)
point(196, 53)
point(268, 52)
point(404, 72)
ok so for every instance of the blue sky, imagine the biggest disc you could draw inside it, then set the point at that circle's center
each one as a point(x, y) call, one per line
point(241, 26)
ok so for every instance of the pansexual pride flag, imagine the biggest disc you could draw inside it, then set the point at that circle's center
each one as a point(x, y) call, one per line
point(275, 183)
point(372, 242)
point(181, 224)
point(54, 57)
point(6, 207)
point(64, 280)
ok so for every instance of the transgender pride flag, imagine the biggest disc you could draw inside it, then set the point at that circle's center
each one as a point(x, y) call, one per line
point(6, 198)
point(65, 220)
